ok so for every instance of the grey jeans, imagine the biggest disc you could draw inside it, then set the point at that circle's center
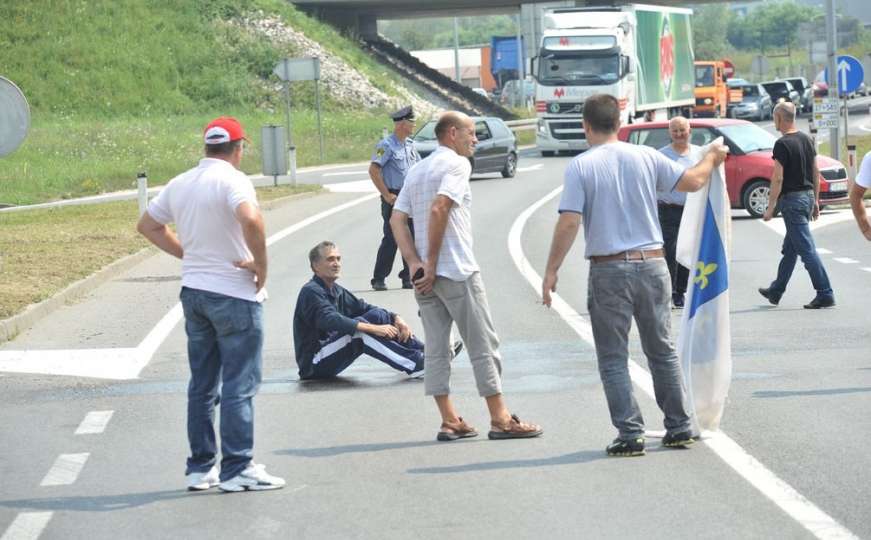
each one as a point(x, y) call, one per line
point(617, 292)
point(463, 303)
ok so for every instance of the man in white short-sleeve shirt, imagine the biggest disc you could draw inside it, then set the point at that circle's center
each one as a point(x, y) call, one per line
point(614, 187)
point(448, 286)
point(221, 241)
point(857, 196)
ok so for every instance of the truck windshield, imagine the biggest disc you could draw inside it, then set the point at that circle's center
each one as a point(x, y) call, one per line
point(704, 75)
point(579, 70)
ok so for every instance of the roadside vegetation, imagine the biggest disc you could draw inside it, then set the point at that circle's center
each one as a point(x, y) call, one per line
point(120, 86)
point(43, 251)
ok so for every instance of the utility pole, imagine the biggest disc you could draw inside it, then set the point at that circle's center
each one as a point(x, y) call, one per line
point(457, 53)
point(520, 71)
point(832, 55)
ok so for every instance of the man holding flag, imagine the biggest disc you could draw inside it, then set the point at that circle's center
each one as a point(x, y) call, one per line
point(614, 187)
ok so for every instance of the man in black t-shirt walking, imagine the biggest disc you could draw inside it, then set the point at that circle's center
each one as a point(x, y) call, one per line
point(795, 191)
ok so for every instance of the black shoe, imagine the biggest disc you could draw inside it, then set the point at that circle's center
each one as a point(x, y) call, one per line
point(774, 299)
point(678, 440)
point(818, 303)
point(678, 300)
point(407, 285)
point(378, 285)
point(456, 349)
point(621, 448)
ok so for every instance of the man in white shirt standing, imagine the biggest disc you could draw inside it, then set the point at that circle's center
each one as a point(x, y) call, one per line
point(447, 281)
point(221, 241)
point(857, 196)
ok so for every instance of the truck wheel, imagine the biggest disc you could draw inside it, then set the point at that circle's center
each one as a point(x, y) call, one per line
point(547, 153)
point(755, 198)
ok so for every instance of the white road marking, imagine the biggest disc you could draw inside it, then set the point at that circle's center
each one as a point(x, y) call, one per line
point(65, 470)
point(782, 494)
point(845, 260)
point(865, 268)
point(346, 173)
point(27, 526)
point(825, 219)
point(127, 363)
point(865, 128)
point(530, 168)
point(94, 422)
point(823, 251)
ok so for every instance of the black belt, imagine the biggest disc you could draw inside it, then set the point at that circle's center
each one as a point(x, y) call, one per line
point(669, 205)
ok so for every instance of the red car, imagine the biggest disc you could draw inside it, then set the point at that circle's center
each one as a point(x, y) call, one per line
point(749, 165)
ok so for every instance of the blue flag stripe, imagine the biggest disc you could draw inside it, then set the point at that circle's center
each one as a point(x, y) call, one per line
point(710, 277)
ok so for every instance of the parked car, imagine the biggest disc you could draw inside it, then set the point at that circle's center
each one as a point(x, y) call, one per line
point(734, 85)
point(755, 103)
point(496, 150)
point(805, 92)
point(782, 91)
point(749, 165)
point(511, 93)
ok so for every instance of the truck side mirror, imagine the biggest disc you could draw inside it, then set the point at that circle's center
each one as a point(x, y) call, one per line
point(532, 70)
point(626, 65)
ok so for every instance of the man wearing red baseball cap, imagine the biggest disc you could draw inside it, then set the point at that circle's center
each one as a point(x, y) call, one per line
point(221, 241)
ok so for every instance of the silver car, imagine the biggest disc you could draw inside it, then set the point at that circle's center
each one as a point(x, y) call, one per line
point(496, 150)
point(755, 103)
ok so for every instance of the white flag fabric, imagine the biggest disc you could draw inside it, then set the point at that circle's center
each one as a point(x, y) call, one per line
point(704, 343)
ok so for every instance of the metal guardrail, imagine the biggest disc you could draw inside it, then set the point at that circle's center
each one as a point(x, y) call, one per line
point(521, 125)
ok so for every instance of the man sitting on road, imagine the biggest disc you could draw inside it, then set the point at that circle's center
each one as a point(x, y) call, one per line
point(332, 327)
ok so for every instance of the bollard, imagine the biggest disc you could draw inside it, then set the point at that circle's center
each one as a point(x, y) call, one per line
point(851, 165)
point(142, 187)
point(291, 160)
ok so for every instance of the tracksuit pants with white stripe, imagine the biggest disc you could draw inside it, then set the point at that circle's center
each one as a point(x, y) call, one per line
point(339, 351)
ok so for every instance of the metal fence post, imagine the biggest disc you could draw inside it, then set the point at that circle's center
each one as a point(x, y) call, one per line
point(142, 187)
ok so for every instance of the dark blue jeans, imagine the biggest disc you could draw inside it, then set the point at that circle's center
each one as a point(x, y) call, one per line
point(225, 340)
point(387, 250)
point(797, 208)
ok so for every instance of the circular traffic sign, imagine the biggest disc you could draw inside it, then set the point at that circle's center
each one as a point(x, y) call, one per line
point(850, 74)
point(14, 117)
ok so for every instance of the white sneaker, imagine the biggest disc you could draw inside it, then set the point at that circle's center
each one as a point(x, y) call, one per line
point(201, 481)
point(253, 478)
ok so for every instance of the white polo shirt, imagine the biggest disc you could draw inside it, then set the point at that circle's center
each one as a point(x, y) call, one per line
point(446, 173)
point(864, 177)
point(202, 203)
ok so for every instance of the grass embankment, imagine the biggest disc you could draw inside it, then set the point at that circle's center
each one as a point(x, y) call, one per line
point(119, 86)
point(43, 251)
point(863, 146)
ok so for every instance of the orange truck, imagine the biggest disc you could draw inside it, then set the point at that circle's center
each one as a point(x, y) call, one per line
point(712, 94)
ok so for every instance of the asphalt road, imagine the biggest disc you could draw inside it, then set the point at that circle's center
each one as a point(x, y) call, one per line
point(359, 453)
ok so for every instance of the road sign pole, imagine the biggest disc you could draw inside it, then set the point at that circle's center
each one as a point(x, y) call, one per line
point(832, 45)
point(846, 121)
point(320, 127)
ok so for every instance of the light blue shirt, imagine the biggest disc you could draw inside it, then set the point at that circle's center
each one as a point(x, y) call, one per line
point(613, 186)
point(674, 196)
point(395, 157)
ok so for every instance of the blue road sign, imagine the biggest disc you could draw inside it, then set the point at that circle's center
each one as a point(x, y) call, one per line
point(850, 74)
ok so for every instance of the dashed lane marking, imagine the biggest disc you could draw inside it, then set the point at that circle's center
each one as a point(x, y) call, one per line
point(782, 494)
point(530, 168)
point(27, 526)
point(94, 422)
point(346, 173)
point(65, 470)
point(845, 260)
point(865, 268)
point(823, 251)
point(127, 363)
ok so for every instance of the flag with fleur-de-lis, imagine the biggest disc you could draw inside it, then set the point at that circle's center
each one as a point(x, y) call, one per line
point(704, 340)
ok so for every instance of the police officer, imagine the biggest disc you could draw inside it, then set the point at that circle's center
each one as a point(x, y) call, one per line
point(393, 156)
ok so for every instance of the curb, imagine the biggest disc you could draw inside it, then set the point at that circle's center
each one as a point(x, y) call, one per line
point(14, 325)
point(11, 327)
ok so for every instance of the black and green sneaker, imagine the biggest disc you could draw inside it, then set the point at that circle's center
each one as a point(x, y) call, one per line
point(681, 439)
point(621, 448)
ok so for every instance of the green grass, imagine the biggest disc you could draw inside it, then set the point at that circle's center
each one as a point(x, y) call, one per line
point(43, 251)
point(77, 157)
point(863, 146)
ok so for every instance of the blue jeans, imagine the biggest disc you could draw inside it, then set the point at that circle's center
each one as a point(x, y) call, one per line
point(619, 291)
point(797, 208)
point(225, 340)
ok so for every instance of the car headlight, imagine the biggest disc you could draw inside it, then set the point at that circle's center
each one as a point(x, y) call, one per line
point(542, 128)
point(708, 101)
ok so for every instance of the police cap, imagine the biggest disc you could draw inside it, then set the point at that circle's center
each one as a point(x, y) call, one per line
point(405, 113)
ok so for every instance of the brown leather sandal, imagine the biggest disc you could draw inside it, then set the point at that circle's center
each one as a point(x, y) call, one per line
point(514, 429)
point(454, 431)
